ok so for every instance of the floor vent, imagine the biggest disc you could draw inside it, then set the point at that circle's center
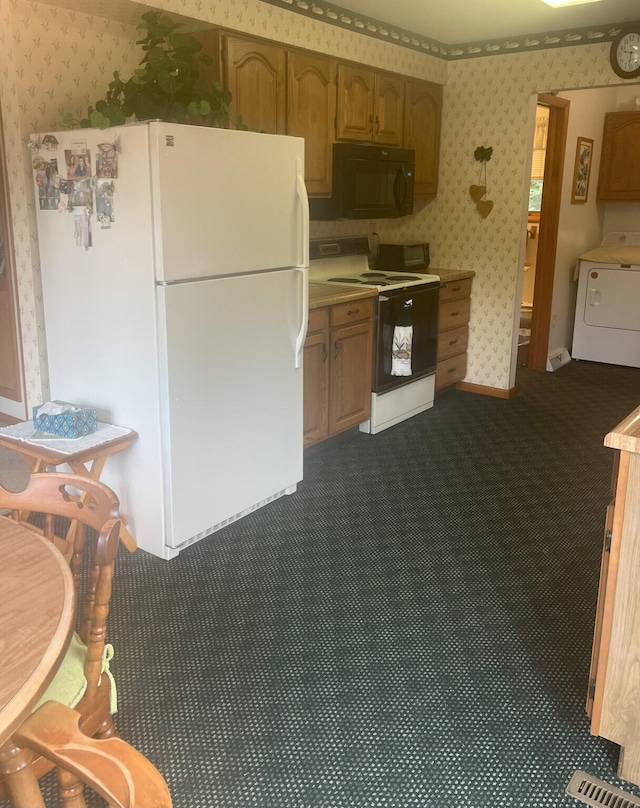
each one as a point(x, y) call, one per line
point(592, 791)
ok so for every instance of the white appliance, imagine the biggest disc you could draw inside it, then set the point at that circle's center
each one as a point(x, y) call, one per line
point(394, 398)
point(607, 319)
point(181, 314)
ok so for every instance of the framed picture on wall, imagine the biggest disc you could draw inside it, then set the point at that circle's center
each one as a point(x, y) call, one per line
point(582, 170)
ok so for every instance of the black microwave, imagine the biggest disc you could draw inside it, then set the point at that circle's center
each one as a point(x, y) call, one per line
point(369, 182)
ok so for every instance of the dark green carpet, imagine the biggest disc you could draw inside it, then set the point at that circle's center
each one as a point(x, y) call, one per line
point(412, 628)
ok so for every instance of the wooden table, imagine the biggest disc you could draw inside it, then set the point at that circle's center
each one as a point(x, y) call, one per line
point(37, 607)
point(85, 456)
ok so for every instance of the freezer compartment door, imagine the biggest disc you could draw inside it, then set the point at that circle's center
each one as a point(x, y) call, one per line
point(226, 201)
point(613, 298)
point(231, 397)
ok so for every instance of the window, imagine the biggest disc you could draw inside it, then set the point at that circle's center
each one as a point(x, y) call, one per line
point(535, 196)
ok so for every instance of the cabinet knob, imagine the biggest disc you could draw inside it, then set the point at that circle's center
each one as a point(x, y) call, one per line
point(353, 312)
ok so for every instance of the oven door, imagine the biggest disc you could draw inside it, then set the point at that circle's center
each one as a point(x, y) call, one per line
point(417, 305)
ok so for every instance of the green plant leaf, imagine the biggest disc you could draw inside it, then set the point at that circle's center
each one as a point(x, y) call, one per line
point(166, 84)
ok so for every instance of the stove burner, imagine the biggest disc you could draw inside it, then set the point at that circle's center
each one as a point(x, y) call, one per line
point(344, 280)
point(374, 274)
point(400, 278)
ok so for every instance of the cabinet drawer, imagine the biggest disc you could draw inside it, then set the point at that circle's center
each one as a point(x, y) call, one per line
point(452, 342)
point(455, 289)
point(318, 320)
point(351, 312)
point(451, 370)
point(454, 313)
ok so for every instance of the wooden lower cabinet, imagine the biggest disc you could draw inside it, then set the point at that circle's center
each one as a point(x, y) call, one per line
point(453, 331)
point(613, 698)
point(337, 369)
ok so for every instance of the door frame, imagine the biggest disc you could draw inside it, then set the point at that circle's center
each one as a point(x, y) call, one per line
point(548, 229)
point(15, 393)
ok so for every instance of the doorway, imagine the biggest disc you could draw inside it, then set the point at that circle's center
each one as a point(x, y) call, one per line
point(547, 231)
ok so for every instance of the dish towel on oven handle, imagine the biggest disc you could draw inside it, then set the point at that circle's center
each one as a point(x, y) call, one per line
point(401, 350)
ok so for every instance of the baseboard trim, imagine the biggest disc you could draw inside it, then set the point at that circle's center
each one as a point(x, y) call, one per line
point(483, 390)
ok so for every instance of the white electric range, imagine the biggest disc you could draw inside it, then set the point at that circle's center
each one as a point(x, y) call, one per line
point(406, 309)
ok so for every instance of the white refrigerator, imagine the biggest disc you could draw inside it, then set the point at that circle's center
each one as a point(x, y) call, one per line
point(174, 267)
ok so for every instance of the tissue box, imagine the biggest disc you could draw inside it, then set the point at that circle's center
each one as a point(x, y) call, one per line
point(73, 424)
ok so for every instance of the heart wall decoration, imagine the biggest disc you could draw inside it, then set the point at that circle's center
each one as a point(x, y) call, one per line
point(484, 206)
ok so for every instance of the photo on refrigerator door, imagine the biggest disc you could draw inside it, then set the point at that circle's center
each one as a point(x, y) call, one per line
point(78, 164)
point(104, 204)
point(107, 161)
point(48, 183)
point(81, 196)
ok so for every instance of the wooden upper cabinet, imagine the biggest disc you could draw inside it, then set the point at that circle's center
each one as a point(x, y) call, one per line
point(422, 115)
point(255, 73)
point(619, 178)
point(370, 106)
point(355, 103)
point(388, 112)
point(311, 113)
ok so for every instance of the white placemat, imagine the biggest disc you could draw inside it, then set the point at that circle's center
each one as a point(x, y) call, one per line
point(25, 433)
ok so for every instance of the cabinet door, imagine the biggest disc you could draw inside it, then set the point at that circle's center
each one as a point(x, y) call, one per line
point(351, 357)
point(597, 631)
point(311, 113)
point(388, 118)
point(316, 388)
point(423, 111)
point(616, 707)
point(355, 103)
point(619, 178)
point(255, 74)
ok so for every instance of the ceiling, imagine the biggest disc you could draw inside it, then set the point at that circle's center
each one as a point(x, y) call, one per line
point(462, 21)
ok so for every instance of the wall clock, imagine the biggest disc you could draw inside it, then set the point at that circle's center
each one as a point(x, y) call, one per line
point(625, 53)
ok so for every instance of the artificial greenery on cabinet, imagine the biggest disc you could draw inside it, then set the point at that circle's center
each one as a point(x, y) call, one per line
point(166, 86)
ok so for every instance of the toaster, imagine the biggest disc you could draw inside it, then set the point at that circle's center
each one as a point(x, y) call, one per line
point(403, 256)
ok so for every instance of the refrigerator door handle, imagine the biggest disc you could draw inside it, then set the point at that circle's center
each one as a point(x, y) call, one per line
point(303, 199)
point(303, 267)
point(304, 314)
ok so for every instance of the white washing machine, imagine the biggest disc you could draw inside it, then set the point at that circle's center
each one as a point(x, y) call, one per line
point(607, 321)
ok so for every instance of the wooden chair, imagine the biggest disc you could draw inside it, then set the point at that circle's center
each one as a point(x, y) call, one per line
point(111, 767)
point(83, 680)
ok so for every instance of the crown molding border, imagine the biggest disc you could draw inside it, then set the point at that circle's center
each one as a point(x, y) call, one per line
point(368, 26)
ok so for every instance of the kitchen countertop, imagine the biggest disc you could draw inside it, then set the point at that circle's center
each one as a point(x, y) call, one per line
point(326, 294)
point(626, 436)
point(450, 275)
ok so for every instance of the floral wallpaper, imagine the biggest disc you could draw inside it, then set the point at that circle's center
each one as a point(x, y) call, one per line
point(59, 56)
